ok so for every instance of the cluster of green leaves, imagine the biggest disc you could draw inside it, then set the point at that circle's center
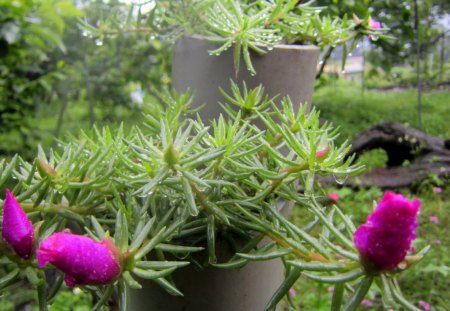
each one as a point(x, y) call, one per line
point(398, 16)
point(256, 25)
point(175, 186)
point(48, 64)
point(29, 31)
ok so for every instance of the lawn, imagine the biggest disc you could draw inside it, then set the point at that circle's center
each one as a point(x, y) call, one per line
point(347, 106)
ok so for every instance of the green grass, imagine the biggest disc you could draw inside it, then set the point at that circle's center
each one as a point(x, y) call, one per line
point(355, 111)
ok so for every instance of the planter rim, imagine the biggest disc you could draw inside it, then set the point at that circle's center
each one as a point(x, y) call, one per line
point(309, 47)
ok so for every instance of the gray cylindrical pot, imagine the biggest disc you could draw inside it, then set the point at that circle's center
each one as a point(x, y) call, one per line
point(211, 289)
point(285, 70)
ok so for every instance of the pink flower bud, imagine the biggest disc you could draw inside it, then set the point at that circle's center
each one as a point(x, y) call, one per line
point(320, 154)
point(374, 24)
point(437, 189)
point(292, 292)
point(434, 219)
point(83, 260)
point(333, 197)
point(17, 229)
point(424, 305)
point(386, 237)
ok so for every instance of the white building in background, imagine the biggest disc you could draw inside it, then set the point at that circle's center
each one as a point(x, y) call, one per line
point(354, 66)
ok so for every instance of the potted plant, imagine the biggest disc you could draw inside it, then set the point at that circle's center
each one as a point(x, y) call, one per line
point(278, 42)
point(145, 203)
point(170, 193)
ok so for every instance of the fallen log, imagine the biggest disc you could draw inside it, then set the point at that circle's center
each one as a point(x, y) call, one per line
point(413, 156)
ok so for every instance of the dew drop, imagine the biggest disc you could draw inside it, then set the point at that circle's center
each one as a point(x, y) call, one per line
point(340, 179)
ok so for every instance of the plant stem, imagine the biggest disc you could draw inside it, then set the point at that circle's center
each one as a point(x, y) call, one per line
point(28, 207)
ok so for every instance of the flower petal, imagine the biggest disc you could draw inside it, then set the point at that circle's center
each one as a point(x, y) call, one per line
point(17, 229)
point(83, 260)
point(386, 237)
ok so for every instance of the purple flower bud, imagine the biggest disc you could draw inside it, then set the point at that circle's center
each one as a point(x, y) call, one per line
point(386, 237)
point(424, 305)
point(367, 303)
point(17, 229)
point(83, 260)
point(373, 23)
point(292, 292)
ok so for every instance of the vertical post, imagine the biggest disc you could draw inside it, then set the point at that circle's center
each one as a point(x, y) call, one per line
point(441, 58)
point(89, 97)
point(419, 81)
point(363, 53)
point(64, 100)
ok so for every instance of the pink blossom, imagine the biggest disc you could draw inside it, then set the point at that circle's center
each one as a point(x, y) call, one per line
point(331, 290)
point(387, 235)
point(424, 305)
point(374, 24)
point(17, 229)
point(434, 219)
point(292, 292)
point(333, 197)
point(83, 260)
point(437, 189)
point(367, 303)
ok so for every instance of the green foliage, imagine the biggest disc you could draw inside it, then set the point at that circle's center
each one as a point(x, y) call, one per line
point(255, 25)
point(75, 300)
point(171, 188)
point(55, 78)
point(30, 31)
point(372, 159)
point(398, 16)
point(406, 76)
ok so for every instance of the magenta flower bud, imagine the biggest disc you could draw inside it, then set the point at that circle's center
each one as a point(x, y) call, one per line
point(386, 237)
point(17, 229)
point(333, 197)
point(373, 23)
point(83, 260)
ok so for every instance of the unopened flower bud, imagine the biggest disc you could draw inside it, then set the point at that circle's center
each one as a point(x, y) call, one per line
point(333, 197)
point(83, 260)
point(384, 240)
point(322, 153)
point(45, 169)
point(171, 156)
point(17, 229)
